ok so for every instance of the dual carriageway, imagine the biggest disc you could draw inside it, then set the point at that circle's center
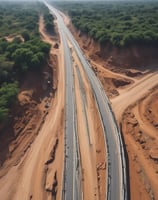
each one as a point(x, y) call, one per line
point(116, 185)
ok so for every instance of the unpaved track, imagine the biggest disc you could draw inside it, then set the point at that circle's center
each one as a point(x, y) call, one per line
point(144, 124)
point(133, 93)
point(144, 168)
point(27, 179)
point(110, 73)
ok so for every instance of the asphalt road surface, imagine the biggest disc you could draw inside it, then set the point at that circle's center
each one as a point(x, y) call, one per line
point(116, 171)
point(69, 176)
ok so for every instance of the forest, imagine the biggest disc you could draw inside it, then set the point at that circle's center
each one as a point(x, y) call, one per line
point(24, 52)
point(119, 23)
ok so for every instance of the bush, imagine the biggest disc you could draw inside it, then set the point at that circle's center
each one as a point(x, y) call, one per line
point(8, 94)
point(3, 114)
point(116, 22)
point(18, 57)
point(25, 35)
point(48, 18)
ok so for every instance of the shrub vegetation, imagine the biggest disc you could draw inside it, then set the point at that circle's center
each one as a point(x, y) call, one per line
point(26, 52)
point(119, 23)
point(48, 18)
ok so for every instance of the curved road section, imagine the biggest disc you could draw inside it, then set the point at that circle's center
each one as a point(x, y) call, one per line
point(116, 170)
point(71, 184)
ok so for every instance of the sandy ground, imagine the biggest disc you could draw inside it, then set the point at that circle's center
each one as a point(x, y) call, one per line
point(140, 125)
point(28, 116)
point(133, 93)
point(134, 103)
point(90, 133)
point(11, 38)
point(39, 173)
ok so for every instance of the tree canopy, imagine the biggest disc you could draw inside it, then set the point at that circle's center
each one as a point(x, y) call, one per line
point(25, 52)
point(8, 94)
point(49, 25)
point(118, 23)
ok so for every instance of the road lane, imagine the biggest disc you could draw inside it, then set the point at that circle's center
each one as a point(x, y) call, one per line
point(116, 180)
point(72, 171)
point(112, 135)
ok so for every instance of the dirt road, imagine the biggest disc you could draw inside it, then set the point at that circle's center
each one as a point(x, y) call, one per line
point(33, 177)
point(139, 125)
point(133, 93)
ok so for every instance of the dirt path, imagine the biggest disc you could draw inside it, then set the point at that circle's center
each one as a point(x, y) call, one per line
point(109, 73)
point(139, 125)
point(133, 93)
point(144, 124)
point(39, 174)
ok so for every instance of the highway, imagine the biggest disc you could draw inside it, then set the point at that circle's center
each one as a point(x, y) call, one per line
point(116, 187)
point(69, 127)
point(70, 174)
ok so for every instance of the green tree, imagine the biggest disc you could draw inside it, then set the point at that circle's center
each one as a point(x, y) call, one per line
point(25, 35)
point(8, 94)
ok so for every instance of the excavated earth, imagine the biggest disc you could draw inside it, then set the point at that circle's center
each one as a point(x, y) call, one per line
point(28, 115)
point(138, 120)
point(140, 128)
point(36, 121)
